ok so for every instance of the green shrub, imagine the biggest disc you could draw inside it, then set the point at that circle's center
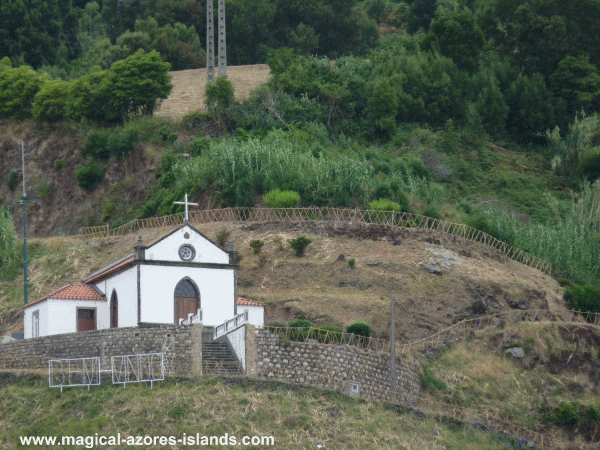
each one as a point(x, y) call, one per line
point(222, 236)
point(90, 174)
point(359, 329)
point(120, 144)
point(351, 262)
point(299, 244)
point(18, 87)
point(493, 223)
point(431, 211)
point(58, 164)
point(256, 245)
point(576, 416)
point(13, 180)
point(300, 323)
point(585, 299)
point(96, 144)
point(198, 145)
point(281, 199)
point(384, 204)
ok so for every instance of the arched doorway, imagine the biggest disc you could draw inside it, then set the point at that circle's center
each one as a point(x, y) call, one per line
point(187, 299)
point(114, 310)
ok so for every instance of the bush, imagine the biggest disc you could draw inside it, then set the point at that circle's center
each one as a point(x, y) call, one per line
point(198, 145)
point(58, 164)
point(256, 245)
point(359, 329)
point(300, 323)
point(220, 93)
point(222, 236)
point(90, 174)
point(430, 382)
point(384, 204)
point(299, 244)
point(13, 180)
point(96, 145)
point(119, 144)
point(576, 416)
point(18, 87)
point(281, 199)
point(431, 211)
point(585, 299)
point(351, 262)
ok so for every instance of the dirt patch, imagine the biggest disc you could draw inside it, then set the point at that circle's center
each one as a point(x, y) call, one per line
point(189, 85)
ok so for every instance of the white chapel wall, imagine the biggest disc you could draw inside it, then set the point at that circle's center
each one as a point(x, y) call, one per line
point(256, 314)
point(168, 248)
point(125, 284)
point(63, 314)
point(42, 307)
point(158, 292)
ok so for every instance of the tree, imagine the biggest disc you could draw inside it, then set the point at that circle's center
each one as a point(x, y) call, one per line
point(18, 87)
point(578, 82)
point(383, 107)
point(49, 102)
point(134, 84)
point(456, 34)
point(420, 14)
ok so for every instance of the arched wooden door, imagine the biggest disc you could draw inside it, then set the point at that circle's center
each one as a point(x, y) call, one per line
point(114, 310)
point(187, 299)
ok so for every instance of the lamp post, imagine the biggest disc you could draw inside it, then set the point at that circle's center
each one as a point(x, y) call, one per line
point(24, 202)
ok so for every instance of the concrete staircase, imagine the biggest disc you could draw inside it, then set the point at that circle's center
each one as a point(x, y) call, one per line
point(217, 357)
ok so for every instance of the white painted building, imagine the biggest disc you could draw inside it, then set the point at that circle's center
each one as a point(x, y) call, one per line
point(183, 273)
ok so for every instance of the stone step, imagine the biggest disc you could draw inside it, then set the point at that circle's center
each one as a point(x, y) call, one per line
point(218, 359)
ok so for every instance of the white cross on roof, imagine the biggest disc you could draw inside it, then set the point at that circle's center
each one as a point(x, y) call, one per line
point(186, 203)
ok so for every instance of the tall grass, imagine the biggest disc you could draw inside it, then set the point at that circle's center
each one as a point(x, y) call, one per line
point(275, 163)
point(571, 244)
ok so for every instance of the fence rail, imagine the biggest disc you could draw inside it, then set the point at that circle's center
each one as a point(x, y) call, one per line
point(454, 333)
point(325, 214)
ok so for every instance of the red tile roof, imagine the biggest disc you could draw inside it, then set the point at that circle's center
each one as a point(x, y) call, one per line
point(72, 292)
point(247, 302)
point(109, 271)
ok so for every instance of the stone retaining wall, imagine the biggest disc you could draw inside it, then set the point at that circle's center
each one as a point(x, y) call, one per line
point(344, 368)
point(181, 345)
point(354, 371)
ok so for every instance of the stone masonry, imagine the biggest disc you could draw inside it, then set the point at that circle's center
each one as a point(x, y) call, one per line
point(354, 371)
point(340, 367)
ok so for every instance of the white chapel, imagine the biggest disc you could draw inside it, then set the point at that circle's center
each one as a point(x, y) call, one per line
point(184, 276)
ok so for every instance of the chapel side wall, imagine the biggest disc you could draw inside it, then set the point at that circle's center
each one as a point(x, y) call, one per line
point(179, 344)
point(125, 284)
point(158, 285)
point(336, 367)
point(64, 313)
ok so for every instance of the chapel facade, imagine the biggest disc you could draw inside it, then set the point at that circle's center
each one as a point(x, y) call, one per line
point(184, 276)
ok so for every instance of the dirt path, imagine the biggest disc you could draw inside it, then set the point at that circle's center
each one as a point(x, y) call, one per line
point(188, 88)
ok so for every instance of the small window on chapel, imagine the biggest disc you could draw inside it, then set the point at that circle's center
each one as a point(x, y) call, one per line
point(187, 252)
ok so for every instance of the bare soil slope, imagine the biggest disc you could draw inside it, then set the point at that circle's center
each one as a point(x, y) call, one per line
point(481, 281)
point(189, 85)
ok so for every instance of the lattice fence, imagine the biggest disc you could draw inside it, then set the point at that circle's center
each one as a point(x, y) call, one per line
point(391, 218)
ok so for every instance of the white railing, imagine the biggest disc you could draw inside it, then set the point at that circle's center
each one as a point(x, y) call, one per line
point(230, 325)
point(192, 318)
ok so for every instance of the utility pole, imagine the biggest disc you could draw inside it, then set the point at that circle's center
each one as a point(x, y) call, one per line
point(222, 41)
point(392, 352)
point(24, 202)
point(210, 43)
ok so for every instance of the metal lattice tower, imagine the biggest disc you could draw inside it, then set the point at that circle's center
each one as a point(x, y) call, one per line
point(222, 41)
point(210, 43)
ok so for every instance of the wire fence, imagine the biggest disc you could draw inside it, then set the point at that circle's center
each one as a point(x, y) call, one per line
point(454, 333)
point(325, 214)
